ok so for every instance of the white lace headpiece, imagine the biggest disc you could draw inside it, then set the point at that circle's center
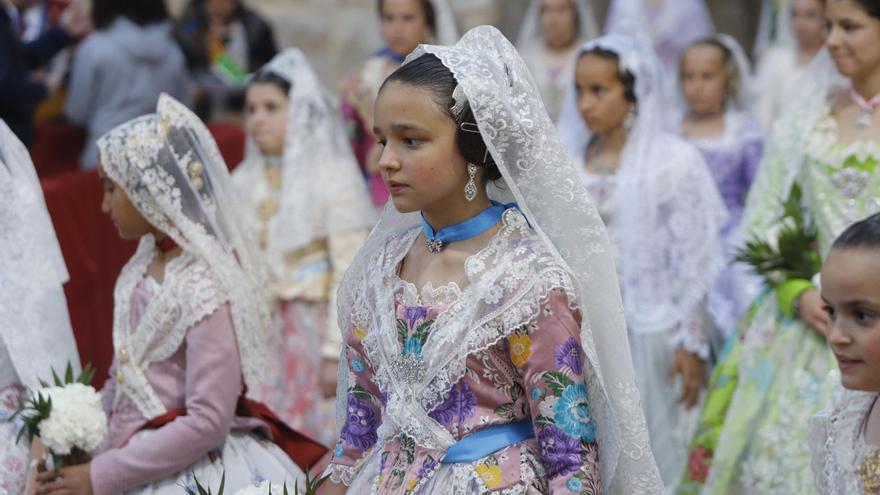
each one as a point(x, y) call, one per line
point(34, 323)
point(659, 291)
point(541, 179)
point(171, 169)
point(531, 33)
point(322, 189)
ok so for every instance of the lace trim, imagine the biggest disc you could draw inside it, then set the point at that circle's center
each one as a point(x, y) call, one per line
point(341, 474)
point(428, 295)
point(691, 337)
point(823, 145)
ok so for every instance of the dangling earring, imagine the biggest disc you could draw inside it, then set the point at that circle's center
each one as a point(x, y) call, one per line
point(630, 119)
point(470, 189)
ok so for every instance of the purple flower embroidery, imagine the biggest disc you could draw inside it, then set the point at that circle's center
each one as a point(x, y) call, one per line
point(415, 314)
point(560, 453)
point(429, 464)
point(360, 427)
point(460, 403)
point(569, 355)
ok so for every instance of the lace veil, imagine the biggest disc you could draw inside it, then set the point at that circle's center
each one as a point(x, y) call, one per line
point(171, 169)
point(34, 323)
point(322, 190)
point(539, 176)
point(530, 34)
point(667, 201)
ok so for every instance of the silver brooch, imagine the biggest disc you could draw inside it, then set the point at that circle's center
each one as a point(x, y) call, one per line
point(434, 245)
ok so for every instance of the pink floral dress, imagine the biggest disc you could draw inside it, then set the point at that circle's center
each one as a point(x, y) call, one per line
point(534, 374)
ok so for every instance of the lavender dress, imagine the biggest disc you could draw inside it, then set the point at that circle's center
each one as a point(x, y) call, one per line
point(733, 158)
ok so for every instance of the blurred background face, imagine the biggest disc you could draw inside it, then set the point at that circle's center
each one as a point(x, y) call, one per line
point(220, 10)
point(404, 25)
point(853, 39)
point(600, 94)
point(703, 79)
point(266, 117)
point(807, 22)
point(559, 23)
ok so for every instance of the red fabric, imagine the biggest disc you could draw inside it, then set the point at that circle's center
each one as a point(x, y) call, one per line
point(94, 255)
point(304, 451)
point(230, 139)
point(56, 148)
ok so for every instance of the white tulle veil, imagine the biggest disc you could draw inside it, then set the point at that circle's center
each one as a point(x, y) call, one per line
point(171, 169)
point(322, 189)
point(34, 323)
point(542, 180)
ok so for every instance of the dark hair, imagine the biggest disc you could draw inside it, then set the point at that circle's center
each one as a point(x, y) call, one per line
point(731, 69)
point(871, 7)
point(427, 8)
point(862, 234)
point(428, 72)
point(269, 77)
point(140, 12)
point(623, 75)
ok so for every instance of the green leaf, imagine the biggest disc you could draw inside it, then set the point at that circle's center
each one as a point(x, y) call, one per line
point(556, 381)
point(68, 373)
point(504, 410)
point(544, 421)
point(516, 391)
point(223, 484)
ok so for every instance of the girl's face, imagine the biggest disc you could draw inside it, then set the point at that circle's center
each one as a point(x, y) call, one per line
point(266, 117)
point(807, 22)
point(600, 94)
point(558, 23)
point(420, 161)
point(853, 39)
point(703, 79)
point(852, 297)
point(127, 219)
point(404, 25)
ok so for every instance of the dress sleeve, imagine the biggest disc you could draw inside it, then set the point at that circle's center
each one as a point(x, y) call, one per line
point(213, 385)
point(549, 355)
point(363, 411)
point(342, 249)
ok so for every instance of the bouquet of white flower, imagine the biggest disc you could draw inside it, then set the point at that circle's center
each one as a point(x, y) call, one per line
point(67, 417)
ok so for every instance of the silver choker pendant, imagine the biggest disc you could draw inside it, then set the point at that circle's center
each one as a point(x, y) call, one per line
point(434, 245)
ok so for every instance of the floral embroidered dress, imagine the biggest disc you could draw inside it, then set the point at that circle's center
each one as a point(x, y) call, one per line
point(752, 436)
point(15, 455)
point(843, 462)
point(534, 372)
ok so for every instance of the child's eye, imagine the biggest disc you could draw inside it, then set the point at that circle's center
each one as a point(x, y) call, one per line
point(829, 311)
point(863, 316)
point(412, 142)
point(381, 142)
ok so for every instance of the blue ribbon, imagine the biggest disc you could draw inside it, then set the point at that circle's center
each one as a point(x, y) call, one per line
point(488, 441)
point(469, 228)
point(391, 55)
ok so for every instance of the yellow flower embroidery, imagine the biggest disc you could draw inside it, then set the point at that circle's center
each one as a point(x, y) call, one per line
point(491, 475)
point(520, 349)
point(360, 331)
point(412, 485)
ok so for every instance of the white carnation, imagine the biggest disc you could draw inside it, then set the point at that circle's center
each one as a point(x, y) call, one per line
point(263, 489)
point(77, 419)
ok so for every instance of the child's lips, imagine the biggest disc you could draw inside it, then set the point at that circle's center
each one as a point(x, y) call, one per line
point(847, 363)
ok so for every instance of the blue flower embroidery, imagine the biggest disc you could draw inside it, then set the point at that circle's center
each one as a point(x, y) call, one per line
point(572, 413)
point(412, 345)
point(574, 485)
point(537, 393)
point(357, 365)
point(339, 450)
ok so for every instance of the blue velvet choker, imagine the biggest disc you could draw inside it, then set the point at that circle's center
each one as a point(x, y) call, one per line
point(391, 55)
point(436, 241)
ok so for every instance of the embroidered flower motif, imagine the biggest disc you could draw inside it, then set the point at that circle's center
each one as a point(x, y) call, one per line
point(412, 345)
point(520, 349)
point(537, 393)
point(491, 475)
point(574, 485)
point(415, 314)
point(357, 365)
point(547, 407)
point(569, 355)
point(339, 451)
point(360, 427)
point(560, 453)
point(412, 485)
point(360, 331)
point(572, 413)
point(699, 463)
point(461, 403)
point(427, 466)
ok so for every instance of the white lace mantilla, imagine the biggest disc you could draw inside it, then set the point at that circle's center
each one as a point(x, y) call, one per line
point(837, 442)
point(188, 294)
